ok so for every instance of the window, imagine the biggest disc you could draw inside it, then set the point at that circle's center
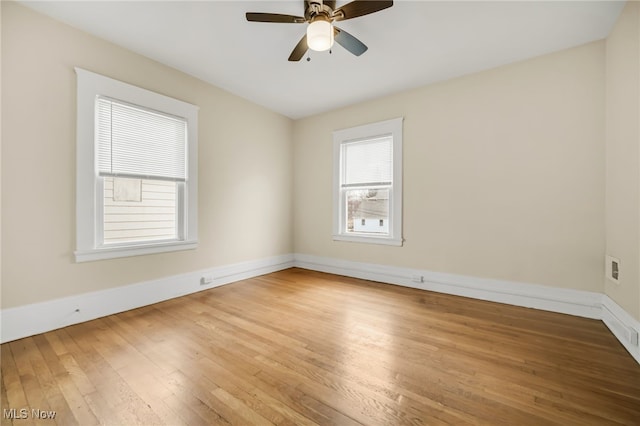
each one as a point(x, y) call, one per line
point(368, 183)
point(136, 170)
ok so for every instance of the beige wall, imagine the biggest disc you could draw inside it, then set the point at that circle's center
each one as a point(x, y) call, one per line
point(623, 157)
point(245, 171)
point(504, 170)
point(503, 174)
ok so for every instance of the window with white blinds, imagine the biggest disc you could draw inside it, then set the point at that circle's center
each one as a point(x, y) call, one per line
point(136, 169)
point(137, 142)
point(368, 162)
point(368, 183)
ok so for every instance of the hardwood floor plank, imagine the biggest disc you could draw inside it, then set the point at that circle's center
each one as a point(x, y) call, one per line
point(311, 407)
point(26, 351)
point(43, 366)
point(305, 348)
point(16, 396)
point(153, 393)
point(197, 397)
point(107, 414)
point(4, 404)
point(240, 388)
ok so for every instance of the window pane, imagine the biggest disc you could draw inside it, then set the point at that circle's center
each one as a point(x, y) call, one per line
point(368, 161)
point(134, 141)
point(367, 210)
point(139, 210)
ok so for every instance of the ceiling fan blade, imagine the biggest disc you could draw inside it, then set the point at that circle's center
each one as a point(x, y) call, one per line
point(300, 49)
point(274, 17)
point(349, 42)
point(360, 8)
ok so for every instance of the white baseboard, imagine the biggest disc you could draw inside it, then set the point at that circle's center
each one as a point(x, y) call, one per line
point(622, 325)
point(567, 301)
point(27, 320)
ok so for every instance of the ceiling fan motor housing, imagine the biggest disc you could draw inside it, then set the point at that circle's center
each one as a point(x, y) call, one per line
point(317, 10)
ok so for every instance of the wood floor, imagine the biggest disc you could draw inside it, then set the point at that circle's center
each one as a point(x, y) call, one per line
point(299, 348)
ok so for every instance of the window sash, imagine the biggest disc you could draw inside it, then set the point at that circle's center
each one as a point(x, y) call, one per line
point(367, 161)
point(365, 164)
point(137, 142)
point(345, 210)
point(178, 228)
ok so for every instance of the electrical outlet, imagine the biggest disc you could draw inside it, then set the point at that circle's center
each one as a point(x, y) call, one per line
point(612, 269)
point(207, 279)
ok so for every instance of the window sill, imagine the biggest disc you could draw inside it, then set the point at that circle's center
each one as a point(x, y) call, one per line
point(369, 239)
point(127, 251)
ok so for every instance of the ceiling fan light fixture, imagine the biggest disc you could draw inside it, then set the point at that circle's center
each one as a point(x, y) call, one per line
point(320, 35)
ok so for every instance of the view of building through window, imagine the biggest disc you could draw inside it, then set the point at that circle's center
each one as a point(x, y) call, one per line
point(368, 210)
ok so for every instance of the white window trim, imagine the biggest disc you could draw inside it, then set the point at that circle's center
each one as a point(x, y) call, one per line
point(389, 127)
point(89, 188)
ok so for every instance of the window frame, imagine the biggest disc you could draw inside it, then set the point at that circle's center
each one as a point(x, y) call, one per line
point(89, 185)
point(393, 128)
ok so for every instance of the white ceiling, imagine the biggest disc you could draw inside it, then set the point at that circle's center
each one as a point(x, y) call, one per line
point(411, 44)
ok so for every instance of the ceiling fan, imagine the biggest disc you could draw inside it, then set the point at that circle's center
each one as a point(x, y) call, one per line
point(321, 33)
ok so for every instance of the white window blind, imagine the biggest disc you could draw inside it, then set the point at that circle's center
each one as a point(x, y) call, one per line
point(368, 162)
point(137, 142)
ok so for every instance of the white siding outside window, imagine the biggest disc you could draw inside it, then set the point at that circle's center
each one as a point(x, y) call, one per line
point(150, 217)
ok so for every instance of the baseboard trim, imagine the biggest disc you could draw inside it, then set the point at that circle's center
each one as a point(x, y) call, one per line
point(561, 300)
point(622, 325)
point(566, 301)
point(28, 320)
